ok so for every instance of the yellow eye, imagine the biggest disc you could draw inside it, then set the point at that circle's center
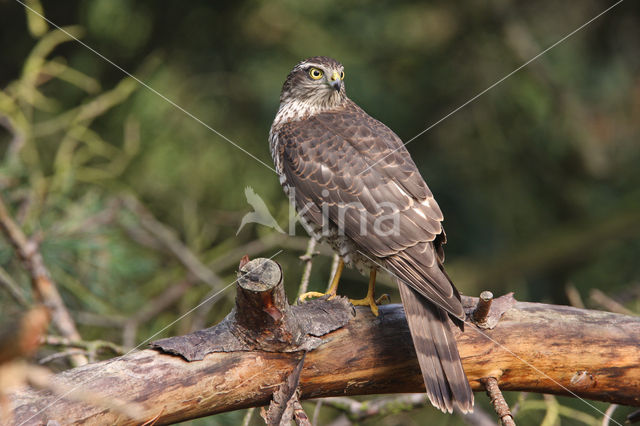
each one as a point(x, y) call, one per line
point(342, 75)
point(315, 73)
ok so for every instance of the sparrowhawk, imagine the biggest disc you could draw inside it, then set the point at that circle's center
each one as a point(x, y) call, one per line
point(355, 186)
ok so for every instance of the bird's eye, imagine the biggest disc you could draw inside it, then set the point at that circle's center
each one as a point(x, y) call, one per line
point(315, 73)
point(342, 75)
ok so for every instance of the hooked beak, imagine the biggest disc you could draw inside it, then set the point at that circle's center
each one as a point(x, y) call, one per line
point(335, 81)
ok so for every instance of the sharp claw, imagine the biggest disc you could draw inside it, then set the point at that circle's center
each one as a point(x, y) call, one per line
point(374, 310)
point(303, 297)
point(384, 298)
point(309, 294)
point(370, 302)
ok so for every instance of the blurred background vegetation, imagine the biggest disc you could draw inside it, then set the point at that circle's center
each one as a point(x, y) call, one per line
point(135, 204)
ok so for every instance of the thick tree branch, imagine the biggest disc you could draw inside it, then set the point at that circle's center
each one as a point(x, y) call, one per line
point(532, 347)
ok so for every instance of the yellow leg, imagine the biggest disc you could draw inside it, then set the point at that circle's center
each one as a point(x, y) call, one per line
point(333, 288)
point(370, 300)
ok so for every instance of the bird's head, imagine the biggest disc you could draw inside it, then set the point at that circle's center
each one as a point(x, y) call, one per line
point(317, 82)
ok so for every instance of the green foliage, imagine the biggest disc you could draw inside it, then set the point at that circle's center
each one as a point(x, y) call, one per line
point(538, 178)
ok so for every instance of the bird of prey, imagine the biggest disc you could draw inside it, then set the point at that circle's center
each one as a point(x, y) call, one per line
point(355, 186)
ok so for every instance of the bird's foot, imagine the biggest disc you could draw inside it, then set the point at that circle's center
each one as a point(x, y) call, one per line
point(371, 302)
point(312, 294)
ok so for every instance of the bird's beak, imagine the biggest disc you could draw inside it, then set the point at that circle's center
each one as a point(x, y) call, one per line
point(335, 81)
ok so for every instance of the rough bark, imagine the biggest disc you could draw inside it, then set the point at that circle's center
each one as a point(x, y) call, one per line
point(525, 346)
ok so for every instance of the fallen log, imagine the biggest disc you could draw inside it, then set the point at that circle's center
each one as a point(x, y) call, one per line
point(240, 362)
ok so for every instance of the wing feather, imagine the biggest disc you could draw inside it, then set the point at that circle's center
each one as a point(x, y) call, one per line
point(362, 171)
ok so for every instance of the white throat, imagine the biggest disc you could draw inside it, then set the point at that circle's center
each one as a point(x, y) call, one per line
point(294, 110)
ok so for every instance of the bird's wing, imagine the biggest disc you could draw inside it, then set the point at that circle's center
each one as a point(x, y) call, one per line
point(360, 173)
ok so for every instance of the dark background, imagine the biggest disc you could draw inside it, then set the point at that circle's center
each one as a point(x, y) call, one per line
point(539, 178)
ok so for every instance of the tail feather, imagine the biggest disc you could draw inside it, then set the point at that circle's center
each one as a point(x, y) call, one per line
point(446, 383)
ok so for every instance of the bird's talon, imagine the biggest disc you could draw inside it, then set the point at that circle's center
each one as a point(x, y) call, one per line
point(383, 299)
point(303, 297)
point(367, 301)
point(308, 295)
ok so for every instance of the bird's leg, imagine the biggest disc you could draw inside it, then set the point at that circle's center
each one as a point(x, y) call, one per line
point(333, 288)
point(370, 300)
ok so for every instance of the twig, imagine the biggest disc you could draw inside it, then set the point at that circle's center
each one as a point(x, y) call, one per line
point(607, 414)
point(574, 296)
point(199, 316)
point(230, 258)
point(64, 354)
point(633, 417)
point(151, 309)
point(12, 287)
point(18, 140)
point(167, 237)
point(316, 412)
point(91, 347)
point(44, 288)
point(608, 303)
point(358, 411)
point(299, 416)
point(308, 263)
point(497, 400)
point(100, 320)
point(247, 417)
point(552, 413)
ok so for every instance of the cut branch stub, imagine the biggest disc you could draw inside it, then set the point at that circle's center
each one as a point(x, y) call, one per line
point(487, 311)
point(263, 319)
point(483, 307)
point(262, 315)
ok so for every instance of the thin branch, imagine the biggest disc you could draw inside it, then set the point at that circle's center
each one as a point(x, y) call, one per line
point(358, 411)
point(92, 346)
point(599, 298)
point(43, 286)
point(18, 140)
point(574, 296)
point(13, 288)
point(307, 258)
point(167, 237)
point(63, 354)
point(552, 413)
point(205, 304)
point(497, 400)
point(299, 415)
point(153, 308)
point(606, 419)
point(316, 412)
point(247, 417)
